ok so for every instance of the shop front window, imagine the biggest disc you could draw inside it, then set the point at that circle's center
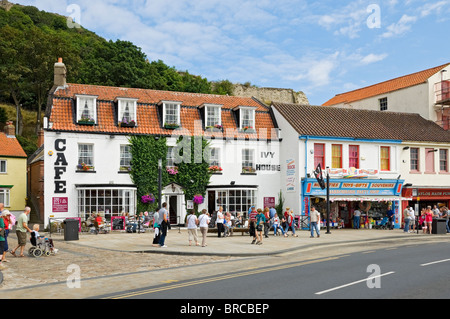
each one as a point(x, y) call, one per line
point(236, 200)
point(106, 202)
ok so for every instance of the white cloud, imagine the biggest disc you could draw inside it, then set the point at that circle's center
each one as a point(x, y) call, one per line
point(401, 27)
point(372, 58)
point(430, 8)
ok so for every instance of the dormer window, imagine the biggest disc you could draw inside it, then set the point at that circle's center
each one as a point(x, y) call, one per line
point(247, 118)
point(126, 112)
point(86, 109)
point(171, 114)
point(212, 116)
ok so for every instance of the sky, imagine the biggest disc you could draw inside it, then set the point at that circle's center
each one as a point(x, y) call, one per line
point(321, 48)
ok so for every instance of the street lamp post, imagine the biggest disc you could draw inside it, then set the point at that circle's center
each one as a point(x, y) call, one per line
point(328, 202)
point(159, 183)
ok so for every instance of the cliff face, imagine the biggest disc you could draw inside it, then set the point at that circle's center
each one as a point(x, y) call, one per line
point(267, 95)
point(5, 4)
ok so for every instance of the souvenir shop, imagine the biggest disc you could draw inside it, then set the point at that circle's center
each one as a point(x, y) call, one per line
point(373, 198)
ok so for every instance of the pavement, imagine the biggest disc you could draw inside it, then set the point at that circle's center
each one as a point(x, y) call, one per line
point(240, 245)
point(104, 260)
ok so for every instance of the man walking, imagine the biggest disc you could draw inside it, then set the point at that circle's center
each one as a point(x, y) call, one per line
point(163, 221)
point(407, 219)
point(314, 221)
point(21, 231)
point(356, 218)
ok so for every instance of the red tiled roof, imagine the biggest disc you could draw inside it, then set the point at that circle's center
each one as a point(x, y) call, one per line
point(62, 114)
point(10, 147)
point(363, 124)
point(385, 87)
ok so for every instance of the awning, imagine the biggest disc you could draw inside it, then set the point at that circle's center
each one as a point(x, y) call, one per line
point(366, 198)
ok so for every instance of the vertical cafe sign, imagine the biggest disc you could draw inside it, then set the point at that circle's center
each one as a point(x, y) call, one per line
point(60, 204)
point(290, 176)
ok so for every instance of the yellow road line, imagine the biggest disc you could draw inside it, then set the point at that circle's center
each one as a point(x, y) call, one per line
point(203, 281)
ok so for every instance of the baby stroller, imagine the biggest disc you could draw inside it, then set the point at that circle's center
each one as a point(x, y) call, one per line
point(384, 224)
point(41, 246)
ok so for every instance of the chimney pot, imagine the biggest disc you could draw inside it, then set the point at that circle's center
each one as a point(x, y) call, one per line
point(60, 73)
point(9, 129)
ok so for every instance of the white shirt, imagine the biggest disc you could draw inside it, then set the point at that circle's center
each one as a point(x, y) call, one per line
point(204, 220)
point(191, 219)
point(315, 216)
point(357, 213)
point(219, 217)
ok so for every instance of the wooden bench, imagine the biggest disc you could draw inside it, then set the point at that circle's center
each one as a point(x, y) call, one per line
point(233, 230)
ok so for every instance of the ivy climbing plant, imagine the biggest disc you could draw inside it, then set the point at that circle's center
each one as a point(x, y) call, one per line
point(193, 174)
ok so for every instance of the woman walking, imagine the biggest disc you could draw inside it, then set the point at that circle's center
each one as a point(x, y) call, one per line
point(6, 216)
point(290, 223)
point(192, 223)
point(428, 219)
point(203, 220)
point(260, 220)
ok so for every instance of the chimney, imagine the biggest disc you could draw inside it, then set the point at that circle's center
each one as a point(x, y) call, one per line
point(9, 129)
point(60, 73)
point(40, 140)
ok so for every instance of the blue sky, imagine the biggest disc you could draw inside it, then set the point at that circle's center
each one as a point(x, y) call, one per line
point(319, 47)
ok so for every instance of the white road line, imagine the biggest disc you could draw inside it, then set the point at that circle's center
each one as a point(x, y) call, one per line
point(435, 262)
point(353, 283)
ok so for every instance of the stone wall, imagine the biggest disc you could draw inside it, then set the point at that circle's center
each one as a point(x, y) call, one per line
point(6, 5)
point(267, 95)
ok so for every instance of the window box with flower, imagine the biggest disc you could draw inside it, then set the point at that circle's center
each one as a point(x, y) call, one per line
point(126, 123)
point(83, 167)
point(214, 169)
point(249, 170)
point(214, 128)
point(171, 126)
point(248, 129)
point(86, 121)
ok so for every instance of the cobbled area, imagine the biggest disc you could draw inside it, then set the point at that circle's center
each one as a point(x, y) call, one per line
point(93, 262)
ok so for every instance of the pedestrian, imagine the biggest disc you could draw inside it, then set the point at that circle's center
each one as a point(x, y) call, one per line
point(356, 219)
point(267, 222)
point(436, 212)
point(6, 216)
point(203, 220)
point(164, 224)
point(260, 221)
point(192, 222)
point(156, 229)
point(446, 215)
point(219, 222)
point(412, 217)
point(290, 224)
point(390, 215)
point(422, 221)
point(2, 242)
point(21, 231)
point(277, 225)
point(252, 223)
point(429, 219)
point(406, 219)
point(314, 222)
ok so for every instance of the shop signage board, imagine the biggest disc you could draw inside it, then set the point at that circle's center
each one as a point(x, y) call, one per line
point(60, 205)
point(348, 187)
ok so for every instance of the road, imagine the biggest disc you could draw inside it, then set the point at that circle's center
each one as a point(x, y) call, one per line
point(384, 271)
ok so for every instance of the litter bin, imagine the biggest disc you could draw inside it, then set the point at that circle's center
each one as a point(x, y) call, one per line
point(439, 226)
point(71, 229)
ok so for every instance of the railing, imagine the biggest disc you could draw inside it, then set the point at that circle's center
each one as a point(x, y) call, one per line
point(445, 124)
point(442, 92)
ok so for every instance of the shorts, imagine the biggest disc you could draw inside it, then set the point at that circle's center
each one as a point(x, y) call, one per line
point(21, 238)
point(259, 227)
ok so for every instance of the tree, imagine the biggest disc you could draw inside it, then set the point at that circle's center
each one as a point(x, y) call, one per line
point(13, 69)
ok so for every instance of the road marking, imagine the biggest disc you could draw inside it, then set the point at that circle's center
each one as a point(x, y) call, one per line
point(208, 280)
point(369, 252)
point(353, 283)
point(170, 281)
point(435, 262)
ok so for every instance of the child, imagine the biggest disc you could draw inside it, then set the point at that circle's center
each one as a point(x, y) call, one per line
point(38, 236)
point(276, 225)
